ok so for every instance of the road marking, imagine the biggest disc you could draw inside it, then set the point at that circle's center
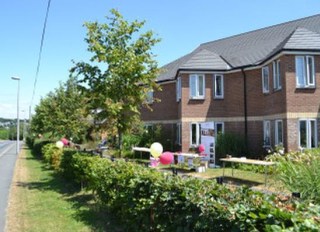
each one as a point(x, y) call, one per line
point(9, 147)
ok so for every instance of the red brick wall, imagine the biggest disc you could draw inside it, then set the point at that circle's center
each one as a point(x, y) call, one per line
point(230, 106)
point(288, 99)
point(301, 100)
point(166, 109)
point(260, 104)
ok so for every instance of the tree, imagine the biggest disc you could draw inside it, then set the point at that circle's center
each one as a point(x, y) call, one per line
point(116, 93)
point(61, 113)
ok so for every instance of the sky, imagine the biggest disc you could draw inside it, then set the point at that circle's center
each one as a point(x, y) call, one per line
point(182, 26)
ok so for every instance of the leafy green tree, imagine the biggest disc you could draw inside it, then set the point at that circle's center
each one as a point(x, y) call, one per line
point(121, 72)
point(61, 113)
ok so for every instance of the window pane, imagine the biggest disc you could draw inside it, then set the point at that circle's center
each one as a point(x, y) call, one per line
point(201, 85)
point(199, 134)
point(178, 88)
point(192, 86)
point(218, 86)
point(275, 78)
point(303, 133)
point(193, 133)
point(279, 128)
point(267, 139)
point(178, 132)
point(265, 79)
point(219, 128)
point(310, 70)
point(278, 74)
point(313, 133)
point(300, 73)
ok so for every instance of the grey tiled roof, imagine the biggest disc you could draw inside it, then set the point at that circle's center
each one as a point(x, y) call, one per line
point(251, 48)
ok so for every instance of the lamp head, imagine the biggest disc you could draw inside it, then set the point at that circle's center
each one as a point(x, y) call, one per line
point(15, 78)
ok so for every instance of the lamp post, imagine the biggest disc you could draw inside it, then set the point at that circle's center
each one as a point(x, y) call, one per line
point(18, 121)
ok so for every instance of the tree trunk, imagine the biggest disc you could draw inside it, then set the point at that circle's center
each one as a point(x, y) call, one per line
point(120, 142)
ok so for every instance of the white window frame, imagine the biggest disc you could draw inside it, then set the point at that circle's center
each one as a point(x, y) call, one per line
point(197, 94)
point(266, 125)
point(149, 99)
point(308, 133)
point(198, 135)
point(216, 95)
point(178, 133)
point(178, 89)
point(276, 75)
point(148, 128)
point(307, 80)
point(265, 79)
point(277, 125)
point(216, 127)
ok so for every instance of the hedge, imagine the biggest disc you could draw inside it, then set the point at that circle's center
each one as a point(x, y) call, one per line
point(147, 200)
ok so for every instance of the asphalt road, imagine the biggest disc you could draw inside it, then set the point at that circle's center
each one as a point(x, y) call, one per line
point(8, 159)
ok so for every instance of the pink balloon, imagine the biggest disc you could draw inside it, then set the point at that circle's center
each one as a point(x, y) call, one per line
point(65, 141)
point(201, 148)
point(166, 158)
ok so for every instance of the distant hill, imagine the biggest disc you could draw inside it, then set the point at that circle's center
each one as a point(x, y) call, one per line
point(6, 122)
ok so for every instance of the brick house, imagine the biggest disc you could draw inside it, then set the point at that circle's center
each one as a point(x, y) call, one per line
point(263, 85)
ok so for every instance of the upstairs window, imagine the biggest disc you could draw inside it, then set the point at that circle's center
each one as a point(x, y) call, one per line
point(276, 75)
point(305, 74)
point(178, 88)
point(197, 86)
point(149, 99)
point(218, 86)
point(265, 79)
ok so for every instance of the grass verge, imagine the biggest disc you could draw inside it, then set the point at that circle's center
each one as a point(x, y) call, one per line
point(40, 200)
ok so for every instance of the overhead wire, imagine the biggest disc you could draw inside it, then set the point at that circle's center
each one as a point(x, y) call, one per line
point(40, 54)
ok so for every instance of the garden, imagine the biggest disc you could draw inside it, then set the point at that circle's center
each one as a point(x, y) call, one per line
point(142, 198)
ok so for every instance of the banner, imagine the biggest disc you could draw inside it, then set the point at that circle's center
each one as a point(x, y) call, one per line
point(208, 140)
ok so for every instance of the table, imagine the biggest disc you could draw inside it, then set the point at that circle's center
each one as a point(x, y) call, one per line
point(266, 164)
point(141, 149)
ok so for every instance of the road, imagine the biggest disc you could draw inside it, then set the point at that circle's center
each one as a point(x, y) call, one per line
point(8, 159)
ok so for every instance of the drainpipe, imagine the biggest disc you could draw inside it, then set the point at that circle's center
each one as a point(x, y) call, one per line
point(245, 107)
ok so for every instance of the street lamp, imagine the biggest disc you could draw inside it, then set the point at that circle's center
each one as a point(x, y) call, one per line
point(18, 121)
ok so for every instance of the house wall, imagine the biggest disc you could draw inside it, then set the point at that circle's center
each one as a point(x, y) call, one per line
point(164, 110)
point(288, 104)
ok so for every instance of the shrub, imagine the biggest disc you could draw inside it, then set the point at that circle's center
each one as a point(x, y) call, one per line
point(37, 147)
point(52, 155)
point(30, 142)
point(300, 172)
point(230, 144)
point(147, 200)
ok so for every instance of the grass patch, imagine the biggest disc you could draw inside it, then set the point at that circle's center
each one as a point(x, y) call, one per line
point(44, 201)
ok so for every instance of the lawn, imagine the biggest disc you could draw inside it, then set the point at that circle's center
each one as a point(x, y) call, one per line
point(239, 177)
point(40, 200)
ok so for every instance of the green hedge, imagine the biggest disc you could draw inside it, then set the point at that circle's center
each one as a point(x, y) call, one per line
point(146, 200)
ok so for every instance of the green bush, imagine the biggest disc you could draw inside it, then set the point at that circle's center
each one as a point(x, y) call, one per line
point(230, 144)
point(30, 142)
point(52, 155)
point(144, 199)
point(300, 172)
point(37, 147)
